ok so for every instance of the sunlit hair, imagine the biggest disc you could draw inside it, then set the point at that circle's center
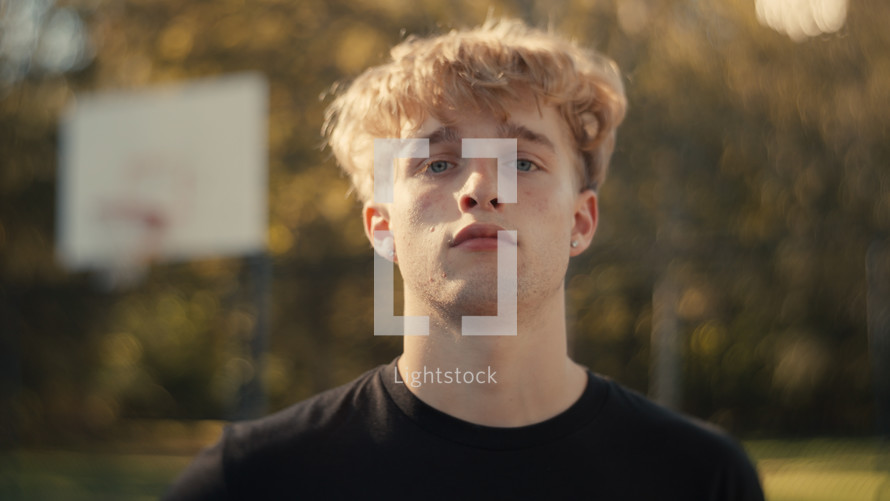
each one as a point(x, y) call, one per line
point(479, 70)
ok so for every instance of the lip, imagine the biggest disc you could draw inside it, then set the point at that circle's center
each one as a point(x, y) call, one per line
point(479, 236)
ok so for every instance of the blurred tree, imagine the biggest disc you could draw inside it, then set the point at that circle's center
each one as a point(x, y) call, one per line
point(751, 166)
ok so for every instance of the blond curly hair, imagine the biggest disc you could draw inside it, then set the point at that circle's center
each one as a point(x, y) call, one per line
point(480, 70)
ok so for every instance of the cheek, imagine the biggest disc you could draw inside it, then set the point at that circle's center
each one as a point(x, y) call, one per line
point(536, 203)
point(552, 213)
point(416, 218)
point(427, 208)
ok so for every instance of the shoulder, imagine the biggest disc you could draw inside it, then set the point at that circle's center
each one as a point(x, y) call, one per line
point(683, 449)
point(260, 458)
point(309, 423)
point(644, 415)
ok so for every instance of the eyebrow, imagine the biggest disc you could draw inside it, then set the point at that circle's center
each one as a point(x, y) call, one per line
point(443, 134)
point(447, 134)
point(511, 129)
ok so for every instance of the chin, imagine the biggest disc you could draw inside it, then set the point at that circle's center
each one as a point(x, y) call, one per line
point(479, 310)
point(474, 298)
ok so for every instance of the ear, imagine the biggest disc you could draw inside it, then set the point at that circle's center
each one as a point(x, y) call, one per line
point(376, 218)
point(585, 221)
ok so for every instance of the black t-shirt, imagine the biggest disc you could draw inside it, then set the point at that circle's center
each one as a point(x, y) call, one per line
point(373, 439)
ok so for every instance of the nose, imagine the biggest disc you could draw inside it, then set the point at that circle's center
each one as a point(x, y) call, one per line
point(481, 187)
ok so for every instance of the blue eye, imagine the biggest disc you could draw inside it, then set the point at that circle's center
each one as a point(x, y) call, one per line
point(438, 166)
point(525, 165)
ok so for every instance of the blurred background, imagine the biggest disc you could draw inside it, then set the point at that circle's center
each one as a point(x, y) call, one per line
point(741, 271)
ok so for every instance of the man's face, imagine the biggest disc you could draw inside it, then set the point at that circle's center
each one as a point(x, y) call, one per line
point(446, 213)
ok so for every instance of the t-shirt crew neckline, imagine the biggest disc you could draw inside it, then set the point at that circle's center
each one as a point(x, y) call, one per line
point(580, 414)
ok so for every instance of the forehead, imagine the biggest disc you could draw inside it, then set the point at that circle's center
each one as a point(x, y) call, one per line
point(529, 123)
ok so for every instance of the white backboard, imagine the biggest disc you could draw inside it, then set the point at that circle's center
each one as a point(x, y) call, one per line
point(172, 173)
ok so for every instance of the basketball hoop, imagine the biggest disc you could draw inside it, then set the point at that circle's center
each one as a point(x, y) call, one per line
point(129, 196)
point(136, 232)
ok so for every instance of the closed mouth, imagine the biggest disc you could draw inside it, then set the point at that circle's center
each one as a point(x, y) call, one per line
point(477, 231)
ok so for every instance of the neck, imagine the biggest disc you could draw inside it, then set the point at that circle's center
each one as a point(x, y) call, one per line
point(535, 379)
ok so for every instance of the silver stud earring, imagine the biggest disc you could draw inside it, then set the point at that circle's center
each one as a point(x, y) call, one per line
point(574, 244)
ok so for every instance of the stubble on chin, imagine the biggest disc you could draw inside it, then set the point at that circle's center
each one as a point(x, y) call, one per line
point(452, 297)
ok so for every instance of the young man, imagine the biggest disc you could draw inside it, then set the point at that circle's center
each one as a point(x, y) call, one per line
point(528, 422)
